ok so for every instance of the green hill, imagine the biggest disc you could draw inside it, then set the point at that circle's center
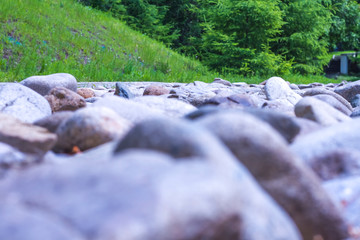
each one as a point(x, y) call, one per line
point(47, 36)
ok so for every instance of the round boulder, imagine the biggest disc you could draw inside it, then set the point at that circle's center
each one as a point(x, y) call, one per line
point(43, 84)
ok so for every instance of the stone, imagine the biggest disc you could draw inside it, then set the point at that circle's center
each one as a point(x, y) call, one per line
point(231, 101)
point(10, 156)
point(322, 91)
point(222, 81)
point(349, 90)
point(178, 138)
point(334, 103)
point(86, 92)
point(52, 122)
point(150, 197)
point(346, 192)
point(335, 163)
point(63, 99)
point(277, 88)
point(92, 100)
point(43, 84)
point(133, 111)
point(355, 113)
point(279, 105)
point(289, 181)
point(25, 137)
point(319, 111)
point(88, 128)
point(22, 220)
point(317, 144)
point(306, 126)
point(23, 103)
point(155, 90)
point(123, 91)
point(169, 107)
point(355, 102)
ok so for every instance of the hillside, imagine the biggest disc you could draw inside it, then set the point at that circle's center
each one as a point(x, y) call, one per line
point(47, 36)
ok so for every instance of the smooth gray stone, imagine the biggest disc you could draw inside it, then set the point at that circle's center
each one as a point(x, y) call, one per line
point(43, 84)
point(23, 103)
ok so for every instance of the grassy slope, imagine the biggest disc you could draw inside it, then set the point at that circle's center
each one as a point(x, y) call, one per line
point(40, 37)
point(48, 36)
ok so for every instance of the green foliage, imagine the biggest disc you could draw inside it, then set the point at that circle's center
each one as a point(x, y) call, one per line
point(345, 28)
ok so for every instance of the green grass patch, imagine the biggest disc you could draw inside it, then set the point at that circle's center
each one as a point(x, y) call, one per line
point(47, 36)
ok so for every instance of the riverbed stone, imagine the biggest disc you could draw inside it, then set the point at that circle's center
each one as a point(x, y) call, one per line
point(52, 122)
point(322, 91)
point(277, 88)
point(319, 111)
point(128, 109)
point(179, 199)
point(90, 127)
point(155, 90)
point(25, 137)
point(23, 103)
point(63, 99)
point(349, 90)
point(122, 90)
point(43, 84)
point(334, 103)
point(265, 153)
point(86, 92)
point(169, 107)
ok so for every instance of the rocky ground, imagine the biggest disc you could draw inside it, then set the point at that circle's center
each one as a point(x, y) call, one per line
point(170, 161)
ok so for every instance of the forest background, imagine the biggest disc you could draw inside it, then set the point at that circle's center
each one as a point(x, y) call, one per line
point(247, 37)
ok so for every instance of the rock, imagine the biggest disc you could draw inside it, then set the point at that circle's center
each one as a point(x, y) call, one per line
point(22, 220)
point(287, 126)
point(356, 101)
point(317, 144)
point(90, 127)
point(179, 200)
point(23, 103)
point(92, 100)
point(322, 91)
point(222, 81)
point(52, 122)
point(178, 138)
point(349, 90)
point(86, 92)
point(334, 103)
point(130, 110)
point(306, 126)
point(346, 192)
point(169, 107)
point(265, 153)
point(155, 90)
point(43, 84)
point(319, 111)
point(339, 162)
point(277, 88)
point(10, 156)
point(25, 137)
point(355, 113)
point(279, 105)
point(235, 100)
point(63, 99)
point(123, 91)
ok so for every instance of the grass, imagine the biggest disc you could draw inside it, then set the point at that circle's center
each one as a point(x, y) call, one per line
point(47, 36)
point(39, 37)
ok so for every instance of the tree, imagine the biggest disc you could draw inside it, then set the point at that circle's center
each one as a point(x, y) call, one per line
point(345, 28)
point(304, 36)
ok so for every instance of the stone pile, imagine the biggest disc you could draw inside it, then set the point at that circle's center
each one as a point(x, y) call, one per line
point(171, 161)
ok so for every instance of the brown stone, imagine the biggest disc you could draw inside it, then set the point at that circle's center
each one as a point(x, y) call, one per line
point(86, 92)
point(63, 99)
point(156, 90)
